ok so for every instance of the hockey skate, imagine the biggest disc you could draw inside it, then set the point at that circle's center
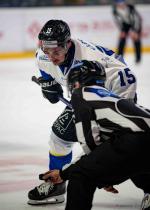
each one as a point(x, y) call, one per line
point(145, 205)
point(47, 193)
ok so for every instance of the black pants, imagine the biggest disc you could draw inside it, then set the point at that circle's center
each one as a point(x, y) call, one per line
point(136, 43)
point(137, 47)
point(123, 157)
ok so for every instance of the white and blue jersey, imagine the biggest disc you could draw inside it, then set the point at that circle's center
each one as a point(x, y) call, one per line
point(119, 78)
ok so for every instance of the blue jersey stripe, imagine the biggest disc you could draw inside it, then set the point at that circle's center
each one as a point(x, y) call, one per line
point(46, 76)
point(105, 50)
point(101, 92)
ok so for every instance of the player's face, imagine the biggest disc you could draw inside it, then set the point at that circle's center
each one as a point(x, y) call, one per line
point(56, 55)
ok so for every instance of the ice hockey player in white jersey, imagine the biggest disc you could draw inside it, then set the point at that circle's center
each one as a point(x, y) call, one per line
point(123, 155)
point(57, 55)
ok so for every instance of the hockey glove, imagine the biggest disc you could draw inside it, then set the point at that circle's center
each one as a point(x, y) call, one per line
point(51, 89)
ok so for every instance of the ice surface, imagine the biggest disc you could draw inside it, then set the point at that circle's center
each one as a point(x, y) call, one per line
point(24, 133)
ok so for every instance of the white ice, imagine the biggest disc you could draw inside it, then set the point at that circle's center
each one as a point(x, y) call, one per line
point(24, 133)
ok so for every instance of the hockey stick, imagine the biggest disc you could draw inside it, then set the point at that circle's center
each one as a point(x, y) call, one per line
point(65, 101)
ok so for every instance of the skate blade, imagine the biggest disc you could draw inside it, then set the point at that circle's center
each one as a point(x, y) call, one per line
point(52, 200)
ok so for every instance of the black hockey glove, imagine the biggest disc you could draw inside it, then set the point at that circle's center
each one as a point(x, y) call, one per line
point(51, 89)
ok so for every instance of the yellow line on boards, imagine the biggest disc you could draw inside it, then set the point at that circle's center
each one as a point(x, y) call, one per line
point(31, 54)
point(18, 55)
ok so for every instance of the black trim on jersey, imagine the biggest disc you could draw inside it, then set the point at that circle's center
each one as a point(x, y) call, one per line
point(102, 104)
point(133, 113)
point(84, 114)
point(108, 124)
point(140, 123)
point(131, 109)
point(128, 110)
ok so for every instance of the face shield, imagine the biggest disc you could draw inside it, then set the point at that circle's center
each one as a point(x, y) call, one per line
point(52, 48)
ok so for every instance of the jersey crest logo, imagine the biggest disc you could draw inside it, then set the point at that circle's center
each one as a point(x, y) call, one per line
point(44, 58)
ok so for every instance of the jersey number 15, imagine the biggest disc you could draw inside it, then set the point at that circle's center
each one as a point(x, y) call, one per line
point(127, 77)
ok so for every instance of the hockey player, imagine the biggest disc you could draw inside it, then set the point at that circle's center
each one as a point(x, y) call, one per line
point(59, 53)
point(100, 113)
point(130, 24)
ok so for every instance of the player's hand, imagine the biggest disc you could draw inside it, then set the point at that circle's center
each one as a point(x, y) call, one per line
point(51, 89)
point(111, 189)
point(52, 175)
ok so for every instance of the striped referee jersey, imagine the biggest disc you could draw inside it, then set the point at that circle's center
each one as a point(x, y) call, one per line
point(100, 114)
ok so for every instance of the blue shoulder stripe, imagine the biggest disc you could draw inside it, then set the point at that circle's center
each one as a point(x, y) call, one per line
point(105, 50)
point(46, 76)
point(101, 92)
point(110, 53)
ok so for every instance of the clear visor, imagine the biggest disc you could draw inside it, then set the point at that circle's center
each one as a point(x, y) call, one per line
point(49, 44)
point(51, 48)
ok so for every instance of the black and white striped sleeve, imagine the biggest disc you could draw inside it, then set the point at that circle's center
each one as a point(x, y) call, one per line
point(86, 127)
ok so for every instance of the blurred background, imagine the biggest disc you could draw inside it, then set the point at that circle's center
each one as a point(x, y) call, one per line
point(26, 117)
point(91, 20)
point(39, 3)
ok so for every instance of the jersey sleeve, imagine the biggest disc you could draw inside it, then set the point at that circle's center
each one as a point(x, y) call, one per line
point(88, 132)
point(121, 81)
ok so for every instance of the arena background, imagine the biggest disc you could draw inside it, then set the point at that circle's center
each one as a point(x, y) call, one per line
point(19, 26)
point(26, 117)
